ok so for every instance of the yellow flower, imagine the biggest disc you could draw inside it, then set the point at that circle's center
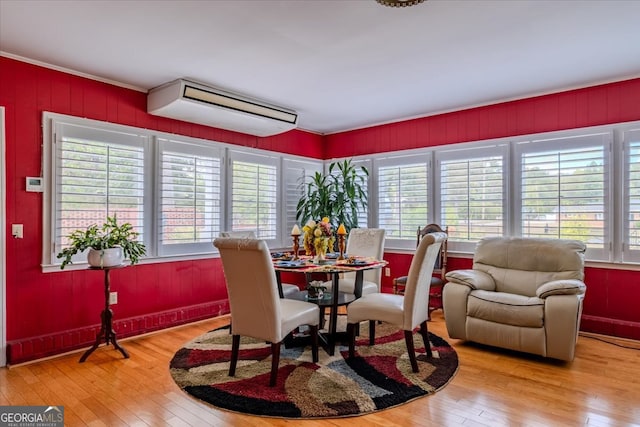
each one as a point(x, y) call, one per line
point(318, 236)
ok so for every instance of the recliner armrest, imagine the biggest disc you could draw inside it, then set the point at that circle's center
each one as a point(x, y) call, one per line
point(561, 287)
point(475, 279)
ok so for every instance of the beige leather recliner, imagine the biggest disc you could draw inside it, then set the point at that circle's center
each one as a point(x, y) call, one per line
point(523, 294)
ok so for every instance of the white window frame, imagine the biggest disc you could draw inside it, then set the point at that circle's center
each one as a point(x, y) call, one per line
point(52, 125)
point(365, 219)
point(628, 254)
point(198, 148)
point(259, 158)
point(571, 141)
point(616, 207)
point(470, 153)
point(303, 170)
point(424, 158)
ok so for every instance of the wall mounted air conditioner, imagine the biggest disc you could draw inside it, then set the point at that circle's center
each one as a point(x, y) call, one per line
point(194, 102)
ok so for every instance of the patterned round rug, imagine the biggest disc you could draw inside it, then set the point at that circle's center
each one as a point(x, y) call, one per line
point(379, 377)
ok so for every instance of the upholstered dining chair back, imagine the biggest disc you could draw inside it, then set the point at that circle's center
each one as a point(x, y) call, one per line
point(247, 234)
point(367, 242)
point(252, 288)
point(416, 292)
point(288, 289)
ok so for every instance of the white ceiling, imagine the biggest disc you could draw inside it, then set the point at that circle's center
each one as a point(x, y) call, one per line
point(340, 64)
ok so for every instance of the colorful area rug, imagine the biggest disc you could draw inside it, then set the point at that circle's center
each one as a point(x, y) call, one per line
point(379, 377)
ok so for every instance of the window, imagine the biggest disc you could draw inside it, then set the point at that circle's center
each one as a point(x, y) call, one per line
point(190, 194)
point(403, 197)
point(564, 191)
point(97, 173)
point(363, 215)
point(254, 194)
point(631, 216)
point(296, 174)
point(180, 192)
point(472, 193)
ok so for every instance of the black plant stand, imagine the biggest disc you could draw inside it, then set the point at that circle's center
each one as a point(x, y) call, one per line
point(106, 334)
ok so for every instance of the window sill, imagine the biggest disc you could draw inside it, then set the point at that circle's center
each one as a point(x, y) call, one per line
point(55, 268)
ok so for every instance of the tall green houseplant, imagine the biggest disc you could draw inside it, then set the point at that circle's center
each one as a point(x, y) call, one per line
point(339, 195)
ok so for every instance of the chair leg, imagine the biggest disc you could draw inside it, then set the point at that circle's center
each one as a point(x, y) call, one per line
point(351, 333)
point(235, 347)
point(322, 314)
point(425, 338)
point(408, 339)
point(372, 332)
point(275, 361)
point(314, 343)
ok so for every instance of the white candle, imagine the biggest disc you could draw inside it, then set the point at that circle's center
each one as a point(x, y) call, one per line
point(295, 231)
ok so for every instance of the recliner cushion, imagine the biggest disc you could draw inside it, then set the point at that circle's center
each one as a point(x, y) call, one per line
point(509, 309)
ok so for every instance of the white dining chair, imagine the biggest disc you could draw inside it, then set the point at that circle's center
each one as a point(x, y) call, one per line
point(404, 311)
point(257, 311)
point(365, 242)
point(288, 289)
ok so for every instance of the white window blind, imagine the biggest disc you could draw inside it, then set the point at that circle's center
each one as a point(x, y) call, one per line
point(363, 214)
point(98, 173)
point(403, 196)
point(472, 194)
point(296, 174)
point(254, 194)
point(563, 191)
point(190, 193)
point(631, 226)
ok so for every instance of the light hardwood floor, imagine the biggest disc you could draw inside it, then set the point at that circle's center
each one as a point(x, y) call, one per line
point(601, 387)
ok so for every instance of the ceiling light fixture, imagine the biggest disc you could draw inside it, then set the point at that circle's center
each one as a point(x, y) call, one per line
point(399, 3)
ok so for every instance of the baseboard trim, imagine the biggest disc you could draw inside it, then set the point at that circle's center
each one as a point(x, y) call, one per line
point(56, 344)
point(610, 327)
point(611, 340)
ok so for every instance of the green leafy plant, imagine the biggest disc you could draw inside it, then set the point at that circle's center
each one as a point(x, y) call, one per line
point(339, 195)
point(110, 235)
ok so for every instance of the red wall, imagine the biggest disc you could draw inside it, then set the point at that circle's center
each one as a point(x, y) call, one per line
point(54, 312)
point(596, 105)
point(611, 302)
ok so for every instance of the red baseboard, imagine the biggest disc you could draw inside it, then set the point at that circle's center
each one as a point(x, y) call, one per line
point(33, 348)
point(613, 327)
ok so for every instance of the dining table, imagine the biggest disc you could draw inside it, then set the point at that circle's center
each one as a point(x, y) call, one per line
point(333, 299)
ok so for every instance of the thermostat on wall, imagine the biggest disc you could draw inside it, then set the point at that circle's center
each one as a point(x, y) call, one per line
point(34, 184)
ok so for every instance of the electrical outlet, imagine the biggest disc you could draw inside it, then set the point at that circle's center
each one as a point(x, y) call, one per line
point(17, 231)
point(387, 271)
point(113, 298)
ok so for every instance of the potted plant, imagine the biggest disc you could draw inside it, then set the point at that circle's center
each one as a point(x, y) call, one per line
point(108, 245)
point(338, 195)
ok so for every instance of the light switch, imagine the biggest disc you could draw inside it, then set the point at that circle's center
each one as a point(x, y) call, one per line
point(17, 231)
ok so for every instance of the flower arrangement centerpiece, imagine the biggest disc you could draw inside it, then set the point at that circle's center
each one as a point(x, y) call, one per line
point(318, 238)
